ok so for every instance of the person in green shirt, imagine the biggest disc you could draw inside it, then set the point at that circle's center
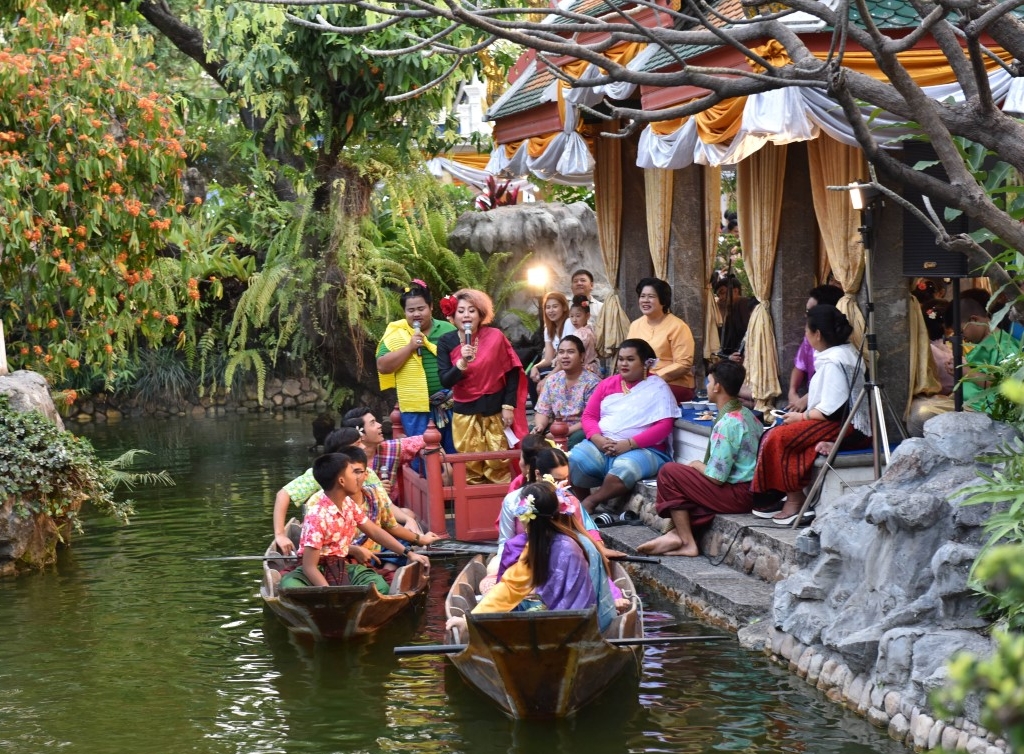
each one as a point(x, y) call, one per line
point(407, 361)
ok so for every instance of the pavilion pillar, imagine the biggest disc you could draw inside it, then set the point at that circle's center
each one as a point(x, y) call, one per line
point(795, 261)
point(891, 298)
point(635, 252)
point(687, 273)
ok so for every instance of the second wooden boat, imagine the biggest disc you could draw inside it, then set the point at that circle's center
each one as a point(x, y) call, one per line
point(542, 664)
point(337, 612)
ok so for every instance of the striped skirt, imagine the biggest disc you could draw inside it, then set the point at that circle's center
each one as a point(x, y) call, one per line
point(785, 460)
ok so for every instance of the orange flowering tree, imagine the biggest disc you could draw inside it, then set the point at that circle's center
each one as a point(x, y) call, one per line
point(94, 257)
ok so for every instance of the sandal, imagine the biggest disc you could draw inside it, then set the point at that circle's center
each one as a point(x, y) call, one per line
point(630, 518)
point(604, 520)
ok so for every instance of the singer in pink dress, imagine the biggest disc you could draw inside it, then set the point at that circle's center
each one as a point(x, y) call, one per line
point(488, 386)
point(407, 361)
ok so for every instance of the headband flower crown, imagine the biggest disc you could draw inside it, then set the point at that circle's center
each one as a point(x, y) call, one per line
point(414, 283)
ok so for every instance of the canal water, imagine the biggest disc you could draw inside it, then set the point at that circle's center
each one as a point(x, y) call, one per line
point(132, 644)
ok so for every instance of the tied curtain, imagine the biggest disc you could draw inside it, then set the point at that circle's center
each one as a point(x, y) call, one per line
point(835, 164)
point(712, 222)
point(658, 190)
point(612, 323)
point(923, 378)
point(759, 180)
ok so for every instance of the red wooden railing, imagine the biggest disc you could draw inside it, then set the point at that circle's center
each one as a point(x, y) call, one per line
point(474, 507)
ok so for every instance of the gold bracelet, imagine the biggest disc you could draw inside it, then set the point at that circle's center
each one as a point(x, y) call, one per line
point(417, 540)
point(506, 407)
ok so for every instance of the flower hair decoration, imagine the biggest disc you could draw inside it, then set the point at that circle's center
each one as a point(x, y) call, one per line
point(649, 364)
point(418, 282)
point(526, 511)
point(549, 479)
point(566, 503)
point(448, 305)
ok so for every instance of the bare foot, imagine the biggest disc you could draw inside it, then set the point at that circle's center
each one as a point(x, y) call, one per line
point(690, 551)
point(661, 545)
point(823, 448)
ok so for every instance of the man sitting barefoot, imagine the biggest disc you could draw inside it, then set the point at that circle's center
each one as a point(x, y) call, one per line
point(691, 494)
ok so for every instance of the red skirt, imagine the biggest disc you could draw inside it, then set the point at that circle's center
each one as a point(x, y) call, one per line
point(785, 460)
point(682, 487)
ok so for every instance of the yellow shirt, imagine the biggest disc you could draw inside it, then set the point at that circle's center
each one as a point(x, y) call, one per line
point(672, 342)
point(515, 586)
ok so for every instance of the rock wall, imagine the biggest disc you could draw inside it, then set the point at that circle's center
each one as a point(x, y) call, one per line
point(882, 604)
point(32, 540)
point(304, 393)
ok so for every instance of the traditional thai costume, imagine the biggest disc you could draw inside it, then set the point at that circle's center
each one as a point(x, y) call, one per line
point(644, 413)
point(786, 458)
point(492, 380)
point(417, 379)
point(724, 484)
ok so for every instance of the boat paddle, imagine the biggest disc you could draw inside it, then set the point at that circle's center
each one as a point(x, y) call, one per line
point(634, 559)
point(438, 552)
point(450, 649)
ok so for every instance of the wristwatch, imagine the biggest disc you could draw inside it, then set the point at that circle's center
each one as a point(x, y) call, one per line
point(407, 550)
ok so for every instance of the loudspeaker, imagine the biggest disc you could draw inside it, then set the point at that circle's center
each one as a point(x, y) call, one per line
point(921, 257)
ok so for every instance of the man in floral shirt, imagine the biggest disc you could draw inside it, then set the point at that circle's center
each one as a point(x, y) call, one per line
point(330, 526)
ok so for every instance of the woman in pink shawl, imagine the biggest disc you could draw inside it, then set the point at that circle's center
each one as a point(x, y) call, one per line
point(488, 386)
point(628, 423)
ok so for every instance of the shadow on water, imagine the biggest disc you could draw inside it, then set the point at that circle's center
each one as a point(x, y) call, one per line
point(131, 644)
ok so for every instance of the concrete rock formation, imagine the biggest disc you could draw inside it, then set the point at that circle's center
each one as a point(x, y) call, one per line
point(885, 593)
point(28, 391)
point(561, 236)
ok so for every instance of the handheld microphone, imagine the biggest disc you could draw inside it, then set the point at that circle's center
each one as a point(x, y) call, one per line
point(416, 329)
point(467, 333)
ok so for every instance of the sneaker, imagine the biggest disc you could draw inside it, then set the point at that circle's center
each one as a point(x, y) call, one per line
point(770, 511)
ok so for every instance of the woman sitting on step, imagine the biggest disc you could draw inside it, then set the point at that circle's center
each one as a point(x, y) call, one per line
point(691, 494)
point(785, 463)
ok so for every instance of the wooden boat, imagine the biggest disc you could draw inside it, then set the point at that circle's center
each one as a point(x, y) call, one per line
point(542, 664)
point(337, 612)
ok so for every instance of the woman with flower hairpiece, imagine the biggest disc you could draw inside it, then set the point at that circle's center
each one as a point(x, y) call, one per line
point(407, 360)
point(550, 566)
point(628, 423)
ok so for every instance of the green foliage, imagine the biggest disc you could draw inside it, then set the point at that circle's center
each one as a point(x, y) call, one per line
point(89, 157)
point(1002, 485)
point(998, 573)
point(557, 192)
point(998, 679)
point(50, 471)
point(999, 397)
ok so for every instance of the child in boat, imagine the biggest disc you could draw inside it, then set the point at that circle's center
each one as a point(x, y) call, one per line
point(555, 566)
point(330, 525)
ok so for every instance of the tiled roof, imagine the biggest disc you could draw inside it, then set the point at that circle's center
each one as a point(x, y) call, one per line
point(589, 8)
point(887, 14)
point(525, 94)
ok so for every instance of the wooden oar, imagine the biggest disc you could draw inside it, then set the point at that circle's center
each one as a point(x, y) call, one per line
point(450, 649)
point(635, 559)
point(253, 557)
point(429, 552)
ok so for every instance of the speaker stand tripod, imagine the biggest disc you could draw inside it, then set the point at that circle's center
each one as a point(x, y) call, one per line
point(871, 391)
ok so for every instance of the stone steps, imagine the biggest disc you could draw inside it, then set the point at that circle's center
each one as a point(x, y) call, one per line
point(733, 582)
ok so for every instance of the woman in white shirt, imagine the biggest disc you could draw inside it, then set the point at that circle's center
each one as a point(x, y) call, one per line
point(786, 458)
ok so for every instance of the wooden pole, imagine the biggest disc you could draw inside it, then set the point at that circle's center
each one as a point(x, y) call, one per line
point(435, 483)
point(397, 430)
point(451, 649)
point(3, 351)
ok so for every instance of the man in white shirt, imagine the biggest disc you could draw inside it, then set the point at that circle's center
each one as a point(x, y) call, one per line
point(583, 285)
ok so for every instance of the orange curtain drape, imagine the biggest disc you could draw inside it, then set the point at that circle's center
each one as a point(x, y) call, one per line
point(834, 164)
point(658, 192)
point(470, 159)
point(612, 323)
point(759, 181)
point(712, 226)
point(926, 67)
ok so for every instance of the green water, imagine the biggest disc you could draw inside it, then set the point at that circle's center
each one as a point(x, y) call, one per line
point(131, 645)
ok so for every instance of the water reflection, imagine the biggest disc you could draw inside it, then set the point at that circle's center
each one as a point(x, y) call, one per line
point(131, 644)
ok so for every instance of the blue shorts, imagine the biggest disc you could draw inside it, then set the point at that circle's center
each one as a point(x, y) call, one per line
point(588, 466)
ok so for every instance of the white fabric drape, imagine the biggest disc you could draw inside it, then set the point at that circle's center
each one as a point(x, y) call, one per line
point(798, 114)
point(475, 177)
